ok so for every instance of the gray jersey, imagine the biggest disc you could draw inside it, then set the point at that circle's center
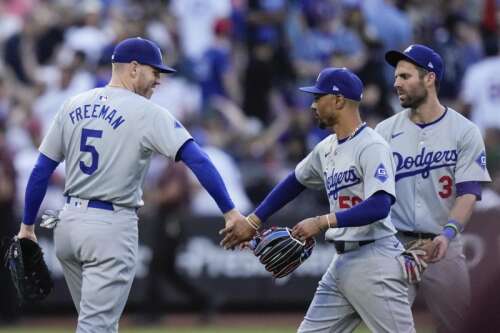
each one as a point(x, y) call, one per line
point(351, 172)
point(107, 137)
point(430, 161)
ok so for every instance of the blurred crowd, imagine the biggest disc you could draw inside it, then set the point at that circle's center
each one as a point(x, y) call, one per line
point(239, 63)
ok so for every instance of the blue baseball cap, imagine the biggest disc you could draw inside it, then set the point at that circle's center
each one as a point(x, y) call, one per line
point(337, 81)
point(419, 55)
point(141, 50)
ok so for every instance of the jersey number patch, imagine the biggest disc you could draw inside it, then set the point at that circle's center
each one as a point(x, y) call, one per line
point(85, 147)
point(346, 201)
point(447, 187)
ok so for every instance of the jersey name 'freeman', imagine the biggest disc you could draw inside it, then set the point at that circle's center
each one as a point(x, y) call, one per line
point(88, 111)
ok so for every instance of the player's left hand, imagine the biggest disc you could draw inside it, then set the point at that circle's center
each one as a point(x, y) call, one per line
point(308, 228)
point(440, 246)
point(27, 231)
point(236, 231)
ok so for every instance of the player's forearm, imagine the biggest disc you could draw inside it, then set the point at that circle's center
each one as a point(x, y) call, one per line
point(373, 209)
point(37, 187)
point(208, 176)
point(459, 215)
point(463, 208)
point(287, 190)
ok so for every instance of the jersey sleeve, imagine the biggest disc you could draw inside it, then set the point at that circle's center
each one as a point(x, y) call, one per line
point(471, 163)
point(163, 133)
point(377, 167)
point(52, 144)
point(308, 171)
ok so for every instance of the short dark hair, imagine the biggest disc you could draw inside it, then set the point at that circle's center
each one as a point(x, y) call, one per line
point(422, 72)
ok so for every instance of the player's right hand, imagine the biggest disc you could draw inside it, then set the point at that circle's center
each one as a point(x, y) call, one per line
point(440, 246)
point(237, 230)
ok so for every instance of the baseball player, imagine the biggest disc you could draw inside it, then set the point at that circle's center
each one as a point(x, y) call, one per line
point(440, 163)
point(107, 137)
point(364, 280)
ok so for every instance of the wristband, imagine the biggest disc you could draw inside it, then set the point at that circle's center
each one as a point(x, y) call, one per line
point(252, 222)
point(449, 233)
point(328, 220)
point(455, 224)
point(451, 229)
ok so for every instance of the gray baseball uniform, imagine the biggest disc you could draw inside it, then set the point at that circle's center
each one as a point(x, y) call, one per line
point(430, 161)
point(367, 282)
point(107, 137)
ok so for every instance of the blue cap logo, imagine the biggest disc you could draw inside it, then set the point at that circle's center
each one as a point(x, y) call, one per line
point(141, 50)
point(339, 81)
point(419, 55)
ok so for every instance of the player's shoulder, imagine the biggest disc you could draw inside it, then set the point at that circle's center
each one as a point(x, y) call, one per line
point(392, 121)
point(485, 65)
point(82, 97)
point(326, 143)
point(371, 137)
point(460, 123)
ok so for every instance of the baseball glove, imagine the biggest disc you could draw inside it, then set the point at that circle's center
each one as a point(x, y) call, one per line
point(279, 252)
point(28, 271)
point(411, 259)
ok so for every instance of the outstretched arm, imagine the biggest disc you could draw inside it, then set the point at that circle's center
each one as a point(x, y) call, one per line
point(203, 168)
point(35, 192)
point(370, 210)
point(282, 194)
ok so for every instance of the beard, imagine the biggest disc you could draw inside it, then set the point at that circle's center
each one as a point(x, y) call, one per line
point(415, 100)
point(322, 125)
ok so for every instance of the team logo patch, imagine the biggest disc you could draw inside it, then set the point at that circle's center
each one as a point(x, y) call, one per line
point(481, 160)
point(381, 173)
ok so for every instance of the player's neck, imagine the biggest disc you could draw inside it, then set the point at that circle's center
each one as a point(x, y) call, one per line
point(347, 127)
point(428, 112)
point(118, 82)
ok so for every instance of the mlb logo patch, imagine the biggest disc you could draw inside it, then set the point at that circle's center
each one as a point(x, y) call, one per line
point(103, 98)
point(381, 173)
point(481, 160)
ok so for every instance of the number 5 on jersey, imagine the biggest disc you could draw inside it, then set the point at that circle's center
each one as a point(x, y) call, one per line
point(88, 148)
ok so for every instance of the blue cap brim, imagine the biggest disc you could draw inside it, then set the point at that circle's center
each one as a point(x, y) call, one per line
point(312, 90)
point(393, 57)
point(163, 68)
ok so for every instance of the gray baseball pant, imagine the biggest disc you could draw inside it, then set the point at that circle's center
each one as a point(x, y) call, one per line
point(97, 249)
point(365, 284)
point(445, 286)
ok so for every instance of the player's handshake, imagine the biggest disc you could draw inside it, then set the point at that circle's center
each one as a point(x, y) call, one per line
point(238, 229)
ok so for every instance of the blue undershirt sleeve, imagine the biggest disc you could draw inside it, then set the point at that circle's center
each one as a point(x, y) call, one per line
point(37, 187)
point(472, 187)
point(208, 176)
point(287, 190)
point(370, 210)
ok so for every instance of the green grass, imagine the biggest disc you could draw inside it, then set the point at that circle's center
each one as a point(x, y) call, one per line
point(164, 330)
point(173, 330)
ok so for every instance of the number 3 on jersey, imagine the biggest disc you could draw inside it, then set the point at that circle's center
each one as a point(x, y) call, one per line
point(447, 187)
point(85, 147)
